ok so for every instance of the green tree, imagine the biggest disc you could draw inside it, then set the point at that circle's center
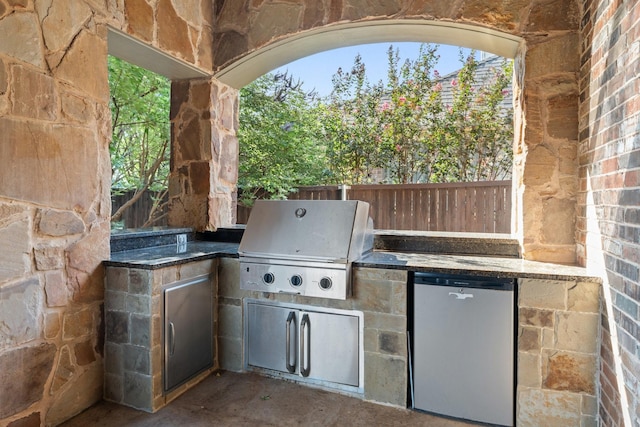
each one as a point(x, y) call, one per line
point(139, 146)
point(476, 135)
point(404, 126)
point(279, 135)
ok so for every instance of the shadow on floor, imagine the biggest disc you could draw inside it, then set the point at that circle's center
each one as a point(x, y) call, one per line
point(234, 399)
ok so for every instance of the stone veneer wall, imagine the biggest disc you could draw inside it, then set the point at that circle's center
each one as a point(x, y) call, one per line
point(609, 197)
point(558, 331)
point(133, 339)
point(204, 154)
point(380, 294)
point(55, 180)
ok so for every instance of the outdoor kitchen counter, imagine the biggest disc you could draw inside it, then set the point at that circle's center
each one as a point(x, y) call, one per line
point(154, 257)
point(475, 265)
point(164, 256)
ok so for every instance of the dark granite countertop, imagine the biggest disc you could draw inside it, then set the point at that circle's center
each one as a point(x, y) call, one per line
point(154, 257)
point(475, 265)
point(169, 255)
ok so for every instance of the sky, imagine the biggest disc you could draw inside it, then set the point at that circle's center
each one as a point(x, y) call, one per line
point(315, 71)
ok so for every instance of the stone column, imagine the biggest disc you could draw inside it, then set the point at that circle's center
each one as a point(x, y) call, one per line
point(204, 154)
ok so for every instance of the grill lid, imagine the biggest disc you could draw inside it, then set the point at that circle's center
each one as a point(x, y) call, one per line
point(320, 230)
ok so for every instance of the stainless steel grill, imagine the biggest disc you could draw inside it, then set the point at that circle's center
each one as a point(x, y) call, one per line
point(304, 247)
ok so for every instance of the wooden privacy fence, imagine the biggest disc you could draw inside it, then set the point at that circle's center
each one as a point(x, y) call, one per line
point(483, 206)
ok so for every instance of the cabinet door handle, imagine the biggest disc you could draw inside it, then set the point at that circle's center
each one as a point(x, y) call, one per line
point(291, 367)
point(305, 345)
point(172, 339)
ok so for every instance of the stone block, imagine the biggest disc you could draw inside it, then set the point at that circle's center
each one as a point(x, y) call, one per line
point(230, 321)
point(536, 317)
point(195, 269)
point(49, 258)
point(85, 391)
point(60, 223)
point(173, 32)
point(113, 358)
point(138, 304)
point(549, 294)
point(117, 327)
point(230, 353)
point(83, 352)
point(64, 371)
point(58, 148)
point(55, 287)
point(140, 331)
point(529, 339)
point(577, 332)
point(140, 20)
point(113, 388)
point(558, 221)
point(387, 322)
point(20, 313)
point(86, 53)
point(52, 325)
point(372, 295)
point(399, 299)
point(371, 340)
point(22, 38)
point(15, 238)
point(584, 297)
point(169, 275)
point(23, 375)
point(136, 359)
point(569, 371)
point(140, 282)
point(115, 301)
point(35, 96)
point(537, 407)
point(117, 279)
point(31, 420)
point(529, 374)
point(394, 343)
point(137, 390)
point(77, 324)
point(386, 379)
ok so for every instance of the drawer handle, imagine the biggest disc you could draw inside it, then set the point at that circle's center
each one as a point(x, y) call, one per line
point(461, 296)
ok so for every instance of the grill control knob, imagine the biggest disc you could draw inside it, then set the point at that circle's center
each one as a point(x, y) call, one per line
point(296, 280)
point(268, 278)
point(326, 283)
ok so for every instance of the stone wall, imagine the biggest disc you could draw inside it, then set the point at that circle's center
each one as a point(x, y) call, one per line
point(55, 183)
point(557, 353)
point(609, 198)
point(134, 333)
point(204, 154)
point(380, 294)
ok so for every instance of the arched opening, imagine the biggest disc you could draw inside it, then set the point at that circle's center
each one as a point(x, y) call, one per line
point(256, 63)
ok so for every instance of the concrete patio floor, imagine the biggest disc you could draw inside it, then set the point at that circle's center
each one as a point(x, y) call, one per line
point(233, 399)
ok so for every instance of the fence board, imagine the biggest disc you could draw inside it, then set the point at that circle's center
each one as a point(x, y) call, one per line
point(461, 207)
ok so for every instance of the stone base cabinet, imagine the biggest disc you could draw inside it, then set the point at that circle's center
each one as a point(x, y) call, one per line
point(134, 333)
point(557, 341)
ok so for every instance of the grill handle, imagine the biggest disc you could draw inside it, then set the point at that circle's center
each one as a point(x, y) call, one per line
point(305, 345)
point(290, 367)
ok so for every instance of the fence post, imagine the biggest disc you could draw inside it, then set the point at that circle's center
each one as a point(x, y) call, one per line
point(344, 189)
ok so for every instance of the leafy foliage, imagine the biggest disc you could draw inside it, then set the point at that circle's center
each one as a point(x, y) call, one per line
point(139, 146)
point(280, 147)
point(404, 127)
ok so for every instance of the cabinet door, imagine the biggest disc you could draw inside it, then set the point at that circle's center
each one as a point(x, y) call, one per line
point(188, 330)
point(329, 347)
point(268, 342)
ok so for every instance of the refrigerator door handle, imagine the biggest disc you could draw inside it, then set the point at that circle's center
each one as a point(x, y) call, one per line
point(291, 367)
point(460, 295)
